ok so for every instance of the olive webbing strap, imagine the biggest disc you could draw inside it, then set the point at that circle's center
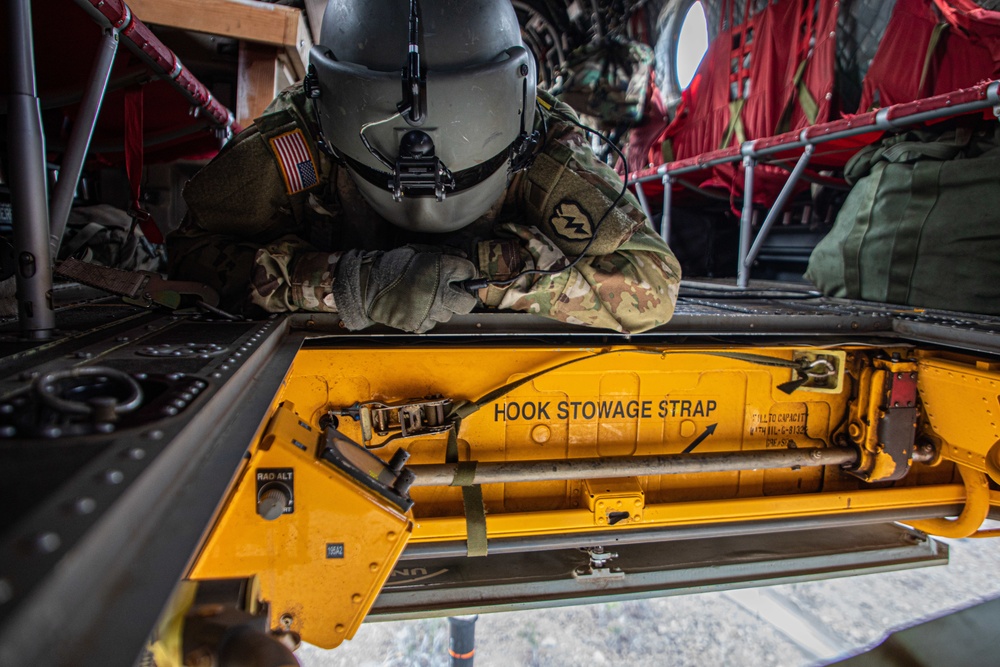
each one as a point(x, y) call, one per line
point(932, 44)
point(667, 151)
point(808, 103)
point(805, 99)
point(735, 124)
point(472, 494)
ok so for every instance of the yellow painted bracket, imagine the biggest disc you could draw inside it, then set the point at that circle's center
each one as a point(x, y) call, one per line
point(614, 502)
point(977, 506)
point(961, 403)
point(884, 419)
point(322, 543)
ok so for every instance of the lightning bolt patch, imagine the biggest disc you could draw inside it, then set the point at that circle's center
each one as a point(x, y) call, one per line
point(570, 221)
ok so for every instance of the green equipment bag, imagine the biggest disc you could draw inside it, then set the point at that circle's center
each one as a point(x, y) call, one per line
point(608, 79)
point(921, 225)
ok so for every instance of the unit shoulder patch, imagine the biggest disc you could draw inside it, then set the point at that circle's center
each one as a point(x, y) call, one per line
point(295, 160)
point(571, 222)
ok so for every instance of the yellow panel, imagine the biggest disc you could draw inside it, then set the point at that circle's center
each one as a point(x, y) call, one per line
point(697, 513)
point(614, 502)
point(320, 566)
point(631, 401)
point(612, 402)
point(961, 400)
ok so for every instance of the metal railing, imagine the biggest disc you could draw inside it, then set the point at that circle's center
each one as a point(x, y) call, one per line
point(39, 228)
point(754, 152)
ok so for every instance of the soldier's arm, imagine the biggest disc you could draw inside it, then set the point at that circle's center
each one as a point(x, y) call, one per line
point(627, 280)
point(280, 276)
point(631, 289)
point(240, 234)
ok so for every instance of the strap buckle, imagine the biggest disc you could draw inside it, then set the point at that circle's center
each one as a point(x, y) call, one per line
point(140, 288)
point(407, 419)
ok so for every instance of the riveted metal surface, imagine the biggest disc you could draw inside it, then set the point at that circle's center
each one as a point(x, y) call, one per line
point(961, 402)
point(112, 516)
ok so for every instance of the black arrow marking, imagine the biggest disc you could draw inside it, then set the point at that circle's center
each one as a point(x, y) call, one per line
point(709, 430)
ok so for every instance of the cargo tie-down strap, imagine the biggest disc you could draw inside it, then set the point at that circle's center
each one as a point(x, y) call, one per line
point(141, 288)
point(472, 494)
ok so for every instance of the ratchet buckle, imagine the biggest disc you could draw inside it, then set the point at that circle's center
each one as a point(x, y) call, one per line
point(407, 419)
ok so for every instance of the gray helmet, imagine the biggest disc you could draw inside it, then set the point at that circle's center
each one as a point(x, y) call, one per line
point(430, 104)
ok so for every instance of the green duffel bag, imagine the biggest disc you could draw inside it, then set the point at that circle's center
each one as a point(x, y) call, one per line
point(921, 225)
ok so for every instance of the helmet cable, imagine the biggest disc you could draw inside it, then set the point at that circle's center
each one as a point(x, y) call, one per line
point(371, 149)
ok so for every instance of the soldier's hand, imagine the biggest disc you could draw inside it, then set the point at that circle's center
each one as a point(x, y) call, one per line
point(410, 288)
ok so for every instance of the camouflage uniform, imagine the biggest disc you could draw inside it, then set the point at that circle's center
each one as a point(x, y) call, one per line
point(252, 223)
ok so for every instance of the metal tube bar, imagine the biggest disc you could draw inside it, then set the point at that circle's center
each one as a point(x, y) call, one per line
point(462, 640)
point(640, 193)
point(882, 123)
point(28, 187)
point(667, 203)
point(705, 165)
point(760, 153)
point(650, 177)
point(506, 472)
point(513, 545)
point(778, 206)
point(151, 52)
point(746, 222)
point(79, 140)
point(992, 99)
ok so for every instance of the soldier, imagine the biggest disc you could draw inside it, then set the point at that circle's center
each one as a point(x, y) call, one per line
point(404, 208)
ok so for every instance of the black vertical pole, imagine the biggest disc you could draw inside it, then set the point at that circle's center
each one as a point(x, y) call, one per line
point(462, 641)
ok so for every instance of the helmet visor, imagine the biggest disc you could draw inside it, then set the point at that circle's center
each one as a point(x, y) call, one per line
point(474, 115)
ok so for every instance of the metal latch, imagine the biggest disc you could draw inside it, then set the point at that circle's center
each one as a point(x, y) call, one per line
point(599, 568)
point(614, 501)
point(408, 419)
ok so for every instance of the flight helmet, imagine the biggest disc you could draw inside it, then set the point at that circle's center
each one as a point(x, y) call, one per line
point(429, 104)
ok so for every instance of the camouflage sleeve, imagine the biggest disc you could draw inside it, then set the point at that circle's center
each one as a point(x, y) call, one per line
point(288, 276)
point(628, 278)
point(280, 276)
point(631, 290)
point(241, 235)
point(223, 263)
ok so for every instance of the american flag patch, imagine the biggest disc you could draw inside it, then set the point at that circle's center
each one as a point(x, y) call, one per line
point(295, 160)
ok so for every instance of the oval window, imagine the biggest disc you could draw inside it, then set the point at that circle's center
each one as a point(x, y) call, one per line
point(692, 43)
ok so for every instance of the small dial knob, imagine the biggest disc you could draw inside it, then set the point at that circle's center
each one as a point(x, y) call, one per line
point(272, 503)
